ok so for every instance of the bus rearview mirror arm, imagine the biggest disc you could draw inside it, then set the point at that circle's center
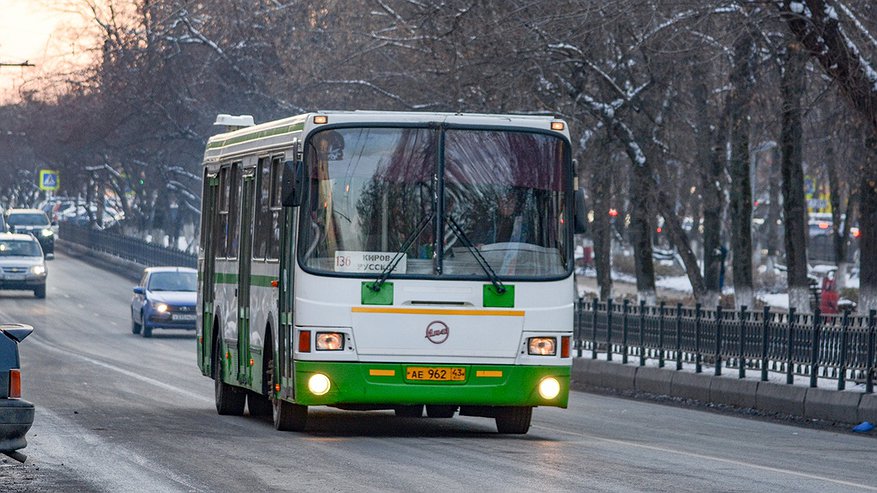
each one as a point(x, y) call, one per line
point(292, 186)
point(581, 213)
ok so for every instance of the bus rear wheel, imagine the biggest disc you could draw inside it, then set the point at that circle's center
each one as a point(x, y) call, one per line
point(229, 399)
point(288, 416)
point(414, 411)
point(514, 420)
point(258, 404)
point(436, 411)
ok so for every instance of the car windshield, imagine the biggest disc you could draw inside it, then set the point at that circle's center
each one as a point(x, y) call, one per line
point(172, 281)
point(20, 248)
point(28, 219)
point(372, 189)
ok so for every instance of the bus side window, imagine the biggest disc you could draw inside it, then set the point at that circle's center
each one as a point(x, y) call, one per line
point(276, 207)
point(221, 230)
point(233, 231)
point(263, 196)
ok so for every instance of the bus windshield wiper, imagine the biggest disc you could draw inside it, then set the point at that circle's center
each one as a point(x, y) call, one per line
point(391, 266)
point(482, 262)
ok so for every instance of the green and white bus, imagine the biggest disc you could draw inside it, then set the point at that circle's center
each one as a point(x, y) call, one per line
point(388, 260)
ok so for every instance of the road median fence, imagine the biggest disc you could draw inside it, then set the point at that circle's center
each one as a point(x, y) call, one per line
point(811, 365)
point(125, 247)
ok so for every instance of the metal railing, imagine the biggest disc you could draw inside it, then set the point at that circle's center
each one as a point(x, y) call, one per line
point(840, 347)
point(125, 247)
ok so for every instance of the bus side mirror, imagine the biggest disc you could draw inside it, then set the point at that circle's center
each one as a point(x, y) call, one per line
point(293, 183)
point(581, 213)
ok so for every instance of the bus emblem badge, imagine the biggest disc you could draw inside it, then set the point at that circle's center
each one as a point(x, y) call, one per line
point(437, 332)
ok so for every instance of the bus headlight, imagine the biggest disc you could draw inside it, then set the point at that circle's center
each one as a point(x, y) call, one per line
point(542, 346)
point(549, 388)
point(318, 384)
point(330, 341)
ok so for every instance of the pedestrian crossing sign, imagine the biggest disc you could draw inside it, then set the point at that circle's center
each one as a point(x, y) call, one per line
point(49, 179)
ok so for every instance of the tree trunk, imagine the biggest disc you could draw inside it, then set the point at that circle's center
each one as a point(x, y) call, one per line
point(774, 210)
point(794, 205)
point(868, 237)
point(840, 222)
point(741, 188)
point(601, 188)
point(711, 160)
point(641, 235)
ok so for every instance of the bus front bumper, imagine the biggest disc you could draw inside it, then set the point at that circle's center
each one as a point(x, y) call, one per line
point(388, 384)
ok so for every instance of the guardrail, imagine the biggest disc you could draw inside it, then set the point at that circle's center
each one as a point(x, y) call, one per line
point(125, 247)
point(840, 347)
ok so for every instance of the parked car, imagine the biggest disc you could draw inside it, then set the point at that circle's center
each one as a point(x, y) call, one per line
point(35, 222)
point(16, 415)
point(164, 299)
point(22, 264)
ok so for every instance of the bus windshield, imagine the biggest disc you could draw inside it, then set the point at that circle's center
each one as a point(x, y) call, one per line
point(381, 196)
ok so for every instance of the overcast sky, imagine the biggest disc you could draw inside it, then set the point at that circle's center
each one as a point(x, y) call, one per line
point(34, 31)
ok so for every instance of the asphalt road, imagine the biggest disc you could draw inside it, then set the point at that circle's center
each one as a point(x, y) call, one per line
point(116, 412)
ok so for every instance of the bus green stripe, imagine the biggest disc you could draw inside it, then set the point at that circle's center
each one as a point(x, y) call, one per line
point(257, 135)
point(261, 281)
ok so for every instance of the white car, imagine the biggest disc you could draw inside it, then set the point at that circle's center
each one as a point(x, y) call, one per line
point(22, 264)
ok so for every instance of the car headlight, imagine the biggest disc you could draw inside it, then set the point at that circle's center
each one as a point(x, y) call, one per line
point(38, 270)
point(330, 341)
point(160, 307)
point(542, 346)
point(47, 232)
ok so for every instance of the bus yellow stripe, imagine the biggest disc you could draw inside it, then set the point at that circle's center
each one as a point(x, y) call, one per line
point(431, 311)
point(381, 373)
point(488, 373)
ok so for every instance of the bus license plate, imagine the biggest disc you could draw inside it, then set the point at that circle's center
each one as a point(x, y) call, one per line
point(183, 316)
point(436, 373)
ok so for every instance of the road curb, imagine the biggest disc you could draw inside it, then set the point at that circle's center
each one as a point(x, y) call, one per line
point(830, 405)
point(125, 268)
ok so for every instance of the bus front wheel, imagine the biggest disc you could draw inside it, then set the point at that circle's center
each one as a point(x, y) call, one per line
point(289, 416)
point(514, 420)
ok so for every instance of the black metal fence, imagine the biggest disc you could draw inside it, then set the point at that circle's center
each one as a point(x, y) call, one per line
point(840, 347)
point(125, 247)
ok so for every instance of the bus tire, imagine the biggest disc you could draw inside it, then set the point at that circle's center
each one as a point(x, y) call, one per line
point(514, 420)
point(415, 411)
point(288, 416)
point(258, 404)
point(437, 411)
point(229, 399)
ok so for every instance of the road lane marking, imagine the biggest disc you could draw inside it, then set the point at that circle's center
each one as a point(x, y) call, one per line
point(128, 373)
point(655, 448)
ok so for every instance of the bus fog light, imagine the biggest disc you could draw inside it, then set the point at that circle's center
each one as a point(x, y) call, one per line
point(330, 341)
point(549, 388)
point(318, 384)
point(542, 346)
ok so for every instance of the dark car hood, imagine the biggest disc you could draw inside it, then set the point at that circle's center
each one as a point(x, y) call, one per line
point(176, 298)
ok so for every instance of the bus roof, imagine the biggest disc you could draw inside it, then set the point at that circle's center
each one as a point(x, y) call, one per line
point(287, 130)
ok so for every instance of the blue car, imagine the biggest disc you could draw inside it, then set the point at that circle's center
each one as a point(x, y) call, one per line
point(164, 299)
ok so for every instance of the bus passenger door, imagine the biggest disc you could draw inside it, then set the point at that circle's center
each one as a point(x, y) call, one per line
point(208, 268)
point(245, 255)
point(288, 228)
